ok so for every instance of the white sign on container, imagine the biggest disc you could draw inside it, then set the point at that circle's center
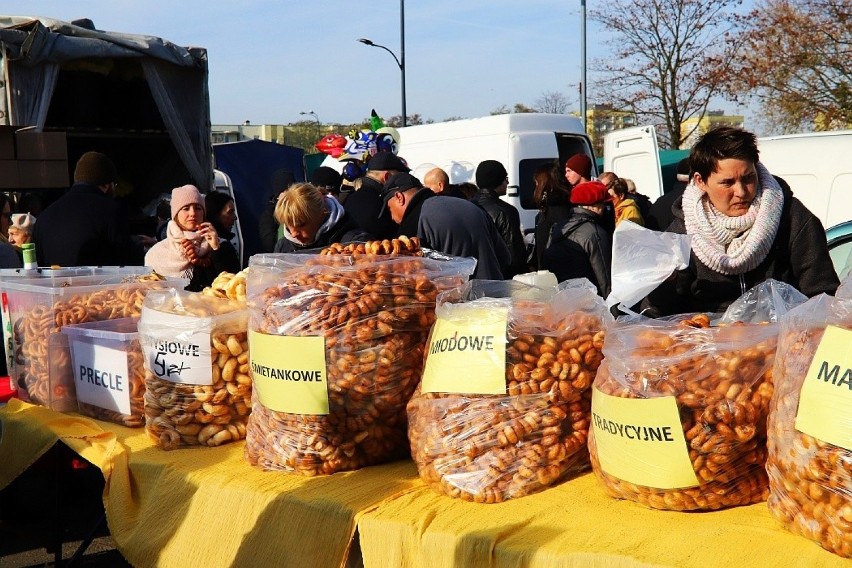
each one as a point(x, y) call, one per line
point(177, 348)
point(101, 375)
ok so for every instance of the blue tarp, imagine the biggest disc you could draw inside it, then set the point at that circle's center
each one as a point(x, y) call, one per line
point(256, 169)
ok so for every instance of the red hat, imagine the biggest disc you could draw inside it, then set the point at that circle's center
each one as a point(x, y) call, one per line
point(589, 193)
point(580, 163)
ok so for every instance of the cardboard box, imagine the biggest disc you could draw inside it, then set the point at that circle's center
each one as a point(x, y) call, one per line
point(43, 173)
point(32, 145)
point(9, 176)
point(7, 142)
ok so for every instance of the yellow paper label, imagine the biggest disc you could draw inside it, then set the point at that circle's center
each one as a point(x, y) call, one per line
point(467, 354)
point(289, 373)
point(640, 440)
point(825, 401)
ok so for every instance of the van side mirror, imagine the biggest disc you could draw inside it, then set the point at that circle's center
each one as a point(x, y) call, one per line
point(512, 191)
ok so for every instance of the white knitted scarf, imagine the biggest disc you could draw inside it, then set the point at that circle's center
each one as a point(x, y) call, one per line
point(734, 245)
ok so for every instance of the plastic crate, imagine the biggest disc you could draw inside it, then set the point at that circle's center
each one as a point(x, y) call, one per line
point(40, 307)
point(107, 370)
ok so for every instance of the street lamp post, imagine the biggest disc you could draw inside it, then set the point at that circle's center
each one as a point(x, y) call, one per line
point(400, 61)
point(316, 117)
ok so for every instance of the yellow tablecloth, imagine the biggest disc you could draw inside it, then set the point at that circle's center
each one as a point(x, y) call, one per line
point(575, 524)
point(203, 506)
point(208, 507)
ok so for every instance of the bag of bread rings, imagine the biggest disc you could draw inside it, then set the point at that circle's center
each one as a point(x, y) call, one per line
point(337, 343)
point(503, 407)
point(810, 424)
point(197, 381)
point(679, 405)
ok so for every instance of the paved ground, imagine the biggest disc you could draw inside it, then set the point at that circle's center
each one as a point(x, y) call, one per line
point(30, 527)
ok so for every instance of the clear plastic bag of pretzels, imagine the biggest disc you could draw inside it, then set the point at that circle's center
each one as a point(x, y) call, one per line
point(197, 380)
point(363, 312)
point(503, 407)
point(680, 404)
point(810, 424)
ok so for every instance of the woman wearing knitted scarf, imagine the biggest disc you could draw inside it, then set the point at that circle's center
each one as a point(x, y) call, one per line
point(191, 248)
point(745, 228)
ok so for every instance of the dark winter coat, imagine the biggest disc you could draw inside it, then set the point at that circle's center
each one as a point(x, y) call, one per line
point(364, 206)
point(344, 231)
point(580, 247)
point(223, 259)
point(457, 228)
point(508, 222)
point(84, 227)
point(544, 221)
point(799, 256)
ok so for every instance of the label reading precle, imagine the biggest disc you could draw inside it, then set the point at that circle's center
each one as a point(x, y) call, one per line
point(467, 354)
point(641, 441)
point(177, 356)
point(101, 375)
point(825, 401)
point(289, 374)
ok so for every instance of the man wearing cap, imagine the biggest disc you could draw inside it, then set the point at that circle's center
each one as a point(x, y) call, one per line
point(86, 226)
point(328, 181)
point(459, 228)
point(365, 204)
point(580, 247)
point(493, 180)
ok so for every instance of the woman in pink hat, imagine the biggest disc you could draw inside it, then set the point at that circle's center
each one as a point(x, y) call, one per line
point(192, 249)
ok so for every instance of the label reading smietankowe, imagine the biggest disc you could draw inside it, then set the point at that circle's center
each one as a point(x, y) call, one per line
point(640, 440)
point(467, 354)
point(177, 348)
point(825, 401)
point(289, 373)
point(100, 375)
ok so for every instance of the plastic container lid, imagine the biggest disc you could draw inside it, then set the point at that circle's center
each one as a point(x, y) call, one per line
point(122, 329)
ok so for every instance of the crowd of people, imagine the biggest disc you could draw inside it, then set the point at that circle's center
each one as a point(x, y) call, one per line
point(746, 225)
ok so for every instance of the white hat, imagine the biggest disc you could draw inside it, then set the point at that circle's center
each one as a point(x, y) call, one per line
point(24, 222)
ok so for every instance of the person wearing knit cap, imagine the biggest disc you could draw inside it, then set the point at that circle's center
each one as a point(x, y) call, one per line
point(86, 226)
point(493, 180)
point(21, 229)
point(191, 248)
point(578, 169)
point(580, 246)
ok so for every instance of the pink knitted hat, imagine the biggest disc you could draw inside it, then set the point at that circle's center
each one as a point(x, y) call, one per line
point(183, 196)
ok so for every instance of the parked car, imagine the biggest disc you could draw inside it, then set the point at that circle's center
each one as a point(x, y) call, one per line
point(840, 247)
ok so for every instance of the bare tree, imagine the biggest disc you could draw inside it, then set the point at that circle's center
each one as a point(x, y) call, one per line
point(668, 59)
point(795, 60)
point(517, 108)
point(552, 102)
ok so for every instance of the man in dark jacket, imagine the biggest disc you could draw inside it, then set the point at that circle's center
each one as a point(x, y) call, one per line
point(492, 179)
point(312, 220)
point(86, 226)
point(580, 247)
point(365, 204)
point(457, 227)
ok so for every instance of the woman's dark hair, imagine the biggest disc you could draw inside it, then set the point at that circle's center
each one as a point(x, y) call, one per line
point(619, 187)
point(722, 143)
point(214, 202)
point(549, 188)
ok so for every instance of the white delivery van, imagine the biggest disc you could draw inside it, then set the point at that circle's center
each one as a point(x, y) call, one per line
point(521, 142)
point(633, 153)
point(818, 167)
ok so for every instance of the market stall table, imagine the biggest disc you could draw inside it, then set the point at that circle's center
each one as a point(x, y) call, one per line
point(208, 507)
point(203, 506)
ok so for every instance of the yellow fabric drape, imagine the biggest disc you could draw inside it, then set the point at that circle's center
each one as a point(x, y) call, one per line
point(575, 524)
point(204, 506)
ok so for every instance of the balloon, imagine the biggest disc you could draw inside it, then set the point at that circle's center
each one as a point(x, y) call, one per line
point(333, 145)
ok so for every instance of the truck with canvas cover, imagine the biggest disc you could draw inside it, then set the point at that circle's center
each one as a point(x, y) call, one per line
point(72, 88)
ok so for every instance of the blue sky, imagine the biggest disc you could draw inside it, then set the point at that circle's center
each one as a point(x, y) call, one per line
point(270, 60)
